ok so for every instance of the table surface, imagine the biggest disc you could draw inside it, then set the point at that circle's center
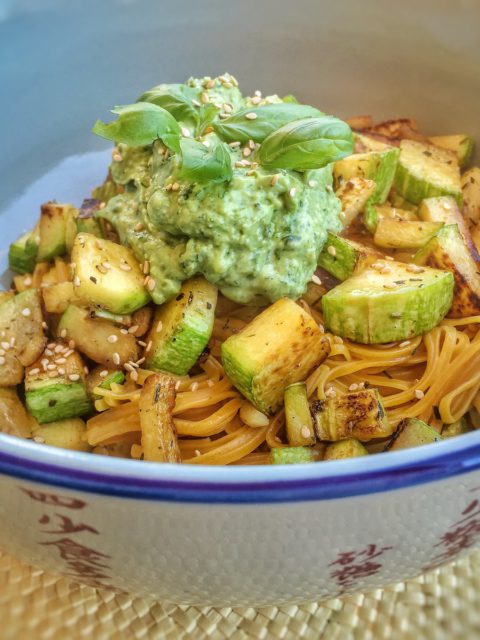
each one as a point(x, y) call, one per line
point(441, 605)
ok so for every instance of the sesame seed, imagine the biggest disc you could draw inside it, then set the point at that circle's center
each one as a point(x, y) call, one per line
point(404, 344)
point(71, 344)
point(227, 107)
point(196, 103)
point(251, 116)
point(258, 93)
point(48, 352)
point(194, 386)
point(210, 84)
point(312, 183)
point(59, 348)
point(44, 325)
point(256, 100)
point(390, 285)
point(389, 258)
point(27, 281)
point(51, 345)
point(447, 206)
point(151, 284)
point(33, 372)
point(210, 383)
point(85, 368)
point(74, 377)
point(26, 312)
point(305, 431)
point(316, 280)
point(125, 267)
point(2, 360)
point(138, 226)
point(331, 250)
point(330, 392)
point(102, 205)
point(168, 187)
point(103, 374)
point(322, 328)
point(337, 339)
point(128, 367)
point(5, 345)
point(146, 267)
point(134, 375)
point(61, 371)
point(106, 265)
point(63, 333)
point(159, 326)
point(246, 152)
point(251, 144)
point(44, 362)
point(205, 98)
point(141, 343)
point(51, 367)
point(419, 394)
point(124, 332)
point(177, 385)
point(292, 192)
point(12, 341)
point(149, 346)
point(100, 268)
point(185, 132)
point(76, 281)
point(53, 374)
point(386, 270)
point(413, 268)
point(60, 361)
point(116, 358)
point(140, 362)
point(112, 339)
point(353, 387)
point(197, 452)
point(116, 157)
point(39, 440)
point(274, 180)
point(175, 186)
point(133, 328)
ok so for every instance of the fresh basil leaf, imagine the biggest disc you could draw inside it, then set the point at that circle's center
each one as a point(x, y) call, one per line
point(205, 164)
point(207, 114)
point(310, 143)
point(177, 99)
point(141, 124)
point(259, 122)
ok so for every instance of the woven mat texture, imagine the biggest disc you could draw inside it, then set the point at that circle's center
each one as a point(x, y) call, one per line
point(441, 605)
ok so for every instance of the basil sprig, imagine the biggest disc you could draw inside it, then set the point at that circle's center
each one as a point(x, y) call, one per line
point(177, 99)
point(259, 122)
point(140, 124)
point(205, 164)
point(310, 143)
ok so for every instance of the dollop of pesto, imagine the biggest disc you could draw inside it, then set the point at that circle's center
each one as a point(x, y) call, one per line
point(257, 236)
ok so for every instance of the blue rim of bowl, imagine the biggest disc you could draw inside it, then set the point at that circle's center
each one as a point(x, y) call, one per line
point(75, 471)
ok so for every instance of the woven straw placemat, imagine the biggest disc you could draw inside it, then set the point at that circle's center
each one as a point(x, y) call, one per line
point(441, 605)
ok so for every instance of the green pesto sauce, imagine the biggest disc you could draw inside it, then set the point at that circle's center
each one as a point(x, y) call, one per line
point(255, 239)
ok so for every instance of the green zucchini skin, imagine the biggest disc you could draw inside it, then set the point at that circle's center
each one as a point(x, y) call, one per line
point(291, 455)
point(58, 401)
point(22, 253)
point(375, 308)
point(412, 432)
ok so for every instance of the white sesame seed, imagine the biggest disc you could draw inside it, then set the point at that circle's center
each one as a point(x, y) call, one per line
point(5, 345)
point(251, 116)
point(177, 385)
point(71, 344)
point(337, 339)
point(12, 341)
point(26, 312)
point(133, 329)
point(134, 375)
point(312, 183)
point(185, 132)
point(258, 93)
point(256, 100)
point(149, 346)
point(246, 151)
point(125, 267)
point(141, 343)
point(59, 348)
point(53, 374)
point(27, 281)
point(386, 269)
point(85, 368)
point(146, 267)
point(159, 326)
point(44, 362)
point(103, 374)
point(39, 439)
point(2, 360)
point(353, 387)
point(116, 157)
point(112, 339)
point(292, 192)
point(197, 452)
point(63, 333)
point(330, 392)
point(140, 362)
point(305, 431)
point(60, 361)
point(138, 226)
point(331, 250)
point(48, 352)
point(205, 98)
point(316, 280)
point(74, 377)
point(151, 284)
point(76, 281)
point(133, 364)
point(33, 372)
point(194, 386)
point(44, 325)
point(389, 258)
point(322, 328)
point(233, 145)
point(413, 268)
point(210, 383)
point(390, 285)
point(419, 394)
point(61, 371)
point(175, 186)
point(124, 332)
point(274, 180)
point(116, 358)
point(101, 268)
point(51, 367)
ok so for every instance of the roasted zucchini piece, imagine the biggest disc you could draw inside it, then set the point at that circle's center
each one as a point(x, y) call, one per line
point(103, 378)
point(291, 455)
point(6, 295)
point(456, 429)
point(447, 250)
point(159, 436)
point(279, 347)
point(426, 171)
point(398, 202)
point(14, 420)
point(55, 220)
point(99, 340)
point(471, 195)
point(107, 275)
point(22, 337)
point(353, 194)
point(388, 301)
point(356, 414)
point(298, 419)
point(342, 257)
point(66, 434)
point(387, 211)
point(404, 234)
point(445, 209)
point(461, 144)
point(23, 253)
point(55, 386)
point(412, 432)
point(182, 328)
point(57, 297)
point(343, 449)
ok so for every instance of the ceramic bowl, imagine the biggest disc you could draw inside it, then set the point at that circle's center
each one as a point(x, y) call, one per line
point(227, 536)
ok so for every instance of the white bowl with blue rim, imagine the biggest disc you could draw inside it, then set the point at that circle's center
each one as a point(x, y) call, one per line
point(209, 535)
